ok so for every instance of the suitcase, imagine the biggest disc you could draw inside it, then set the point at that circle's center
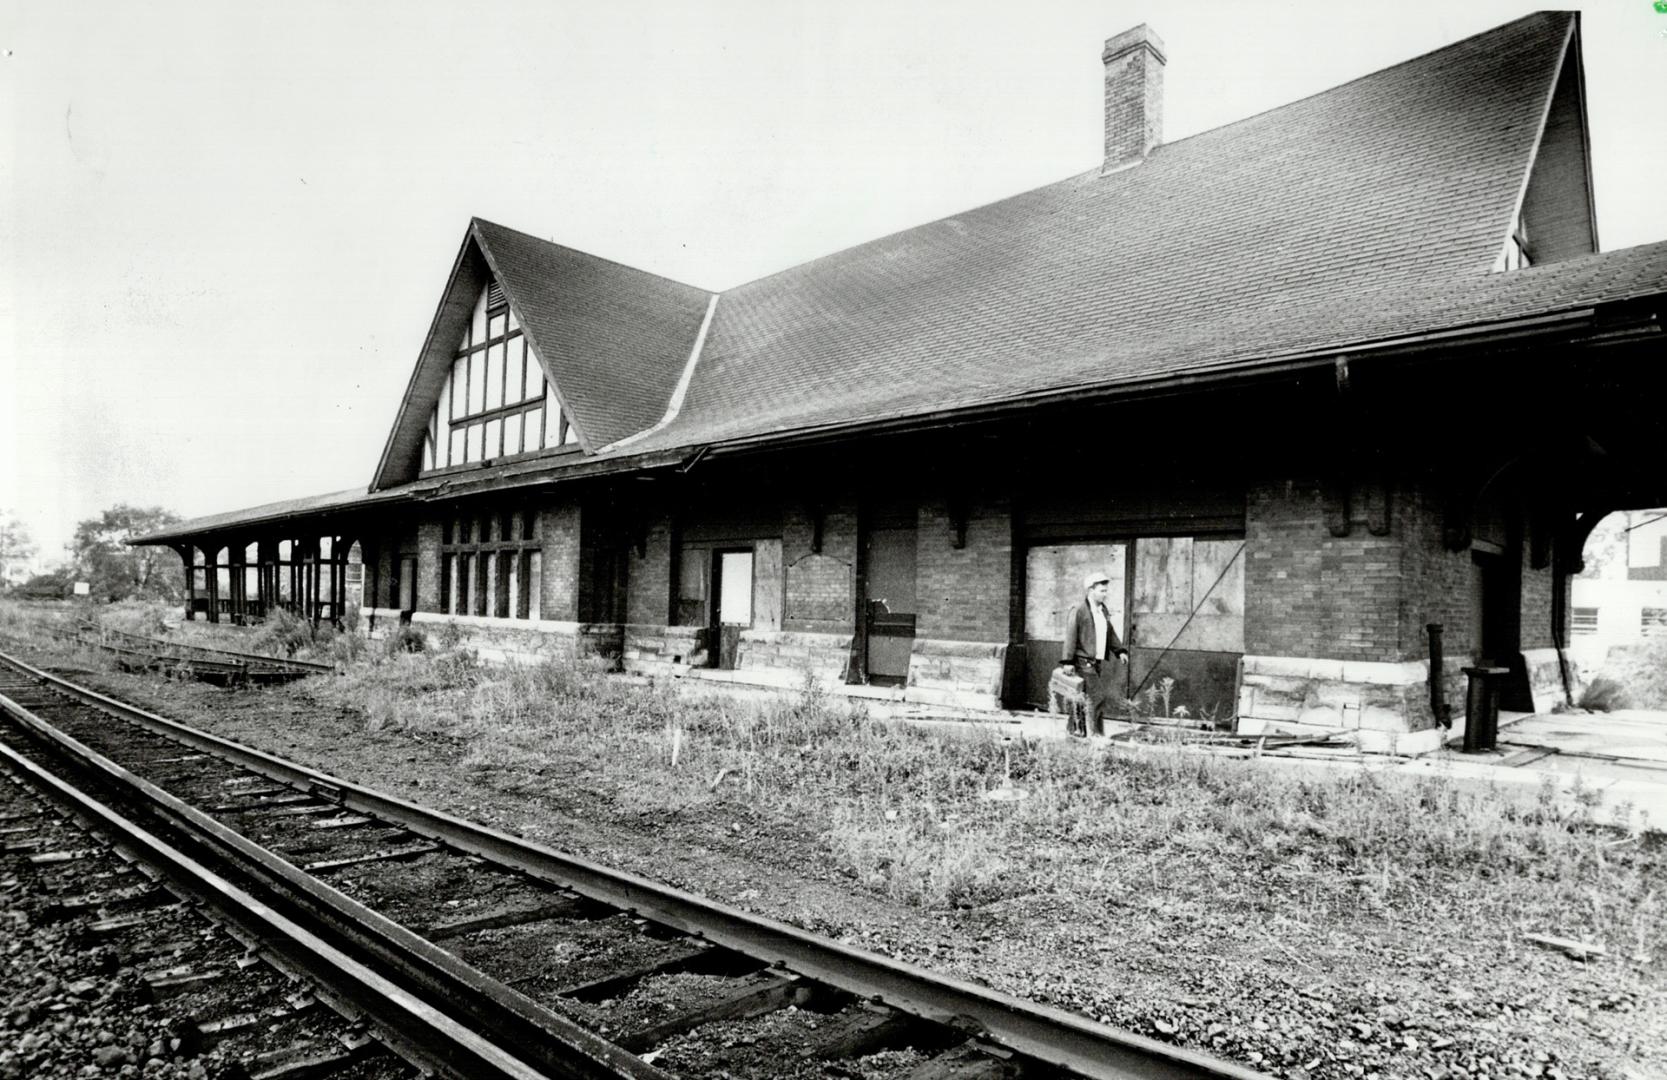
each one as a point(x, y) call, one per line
point(1066, 695)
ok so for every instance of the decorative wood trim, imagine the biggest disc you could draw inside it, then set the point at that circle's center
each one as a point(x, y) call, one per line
point(960, 511)
point(1379, 509)
point(1335, 495)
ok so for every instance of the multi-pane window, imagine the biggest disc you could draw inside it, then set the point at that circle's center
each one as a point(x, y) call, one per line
point(495, 401)
point(491, 565)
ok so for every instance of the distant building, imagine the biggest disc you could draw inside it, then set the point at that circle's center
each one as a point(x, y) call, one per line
point(1302, 385)
point(1630, 607)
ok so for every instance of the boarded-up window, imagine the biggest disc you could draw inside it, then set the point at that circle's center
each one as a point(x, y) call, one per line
point(1053, 585)
point(1189, 594)
point(692, 585)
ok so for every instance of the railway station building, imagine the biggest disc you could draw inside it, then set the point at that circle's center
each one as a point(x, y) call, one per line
point(1304, 386)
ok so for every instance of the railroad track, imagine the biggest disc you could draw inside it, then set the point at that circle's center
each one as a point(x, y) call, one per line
point(131, 941)
point(551, 946)
point(135, 652)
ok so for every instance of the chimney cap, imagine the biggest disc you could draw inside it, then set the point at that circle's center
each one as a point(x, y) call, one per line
point(1132, 39)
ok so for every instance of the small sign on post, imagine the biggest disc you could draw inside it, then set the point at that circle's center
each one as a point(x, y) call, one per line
point(83, 589)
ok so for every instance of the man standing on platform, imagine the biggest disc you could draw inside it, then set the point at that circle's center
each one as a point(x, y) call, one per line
point(1090, 644)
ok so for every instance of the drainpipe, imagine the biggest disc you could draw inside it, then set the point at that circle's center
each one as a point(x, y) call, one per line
point(1438, 702)
point(1559, 612)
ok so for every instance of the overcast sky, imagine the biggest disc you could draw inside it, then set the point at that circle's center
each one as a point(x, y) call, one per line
point(225, 227)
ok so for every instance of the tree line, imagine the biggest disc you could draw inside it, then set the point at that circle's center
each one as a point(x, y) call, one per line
point(98, 555)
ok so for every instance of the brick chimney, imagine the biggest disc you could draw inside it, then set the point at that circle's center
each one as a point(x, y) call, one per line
point(1134, 96)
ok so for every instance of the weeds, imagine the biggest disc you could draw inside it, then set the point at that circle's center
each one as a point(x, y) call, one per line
point(283, 633)
point(1633, 677)
point(899, 809)
point(1605, 694)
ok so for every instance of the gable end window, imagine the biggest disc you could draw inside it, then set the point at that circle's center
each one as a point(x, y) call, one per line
point(495, 401)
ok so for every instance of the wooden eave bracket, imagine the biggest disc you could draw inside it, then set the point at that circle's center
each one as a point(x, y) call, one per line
point(1455, 519)
point(1373, 497)
point(960, 511)
point(1573, 556)
point(1335, 494)
point(1378, 507)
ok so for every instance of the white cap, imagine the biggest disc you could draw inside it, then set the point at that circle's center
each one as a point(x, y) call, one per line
point(1093, 578)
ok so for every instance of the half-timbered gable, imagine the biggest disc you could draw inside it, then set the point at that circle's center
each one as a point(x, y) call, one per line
point(537, 349)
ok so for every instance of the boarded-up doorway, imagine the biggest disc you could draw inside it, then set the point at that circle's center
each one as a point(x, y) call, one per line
point(1053, 586)
point(889, 604)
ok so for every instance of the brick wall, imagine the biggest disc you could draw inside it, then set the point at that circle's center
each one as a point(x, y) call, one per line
point(964, 594)
point(1537, 592)
point(819, 585)
point(648, 584)
point(558, 538)
point(1308, 593)
point(1439, 584)
point(428, 566)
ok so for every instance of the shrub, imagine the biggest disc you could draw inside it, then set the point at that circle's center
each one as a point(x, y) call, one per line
point(457, 667)
point(1642, 671)
point(1604, 695)
point(407, 639)
point(347, 647)
point(284, 633)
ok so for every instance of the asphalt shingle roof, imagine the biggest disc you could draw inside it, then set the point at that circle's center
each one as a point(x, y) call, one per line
point(1309, 211)
point(614, 339)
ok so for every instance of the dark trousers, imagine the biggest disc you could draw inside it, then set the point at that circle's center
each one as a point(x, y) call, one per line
point(1098, 686)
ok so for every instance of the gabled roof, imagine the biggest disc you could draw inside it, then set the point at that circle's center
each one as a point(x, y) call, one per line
point(1352, 220)
point(613, 340)
point(1407, 175)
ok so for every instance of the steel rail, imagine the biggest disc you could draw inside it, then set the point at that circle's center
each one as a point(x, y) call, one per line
point(1040, 1032)
point(445, 1041)
point(549, 1045)
point(242, 657)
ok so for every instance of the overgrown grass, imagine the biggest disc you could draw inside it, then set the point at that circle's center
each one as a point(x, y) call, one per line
point(50, 626)
point(902, 809)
